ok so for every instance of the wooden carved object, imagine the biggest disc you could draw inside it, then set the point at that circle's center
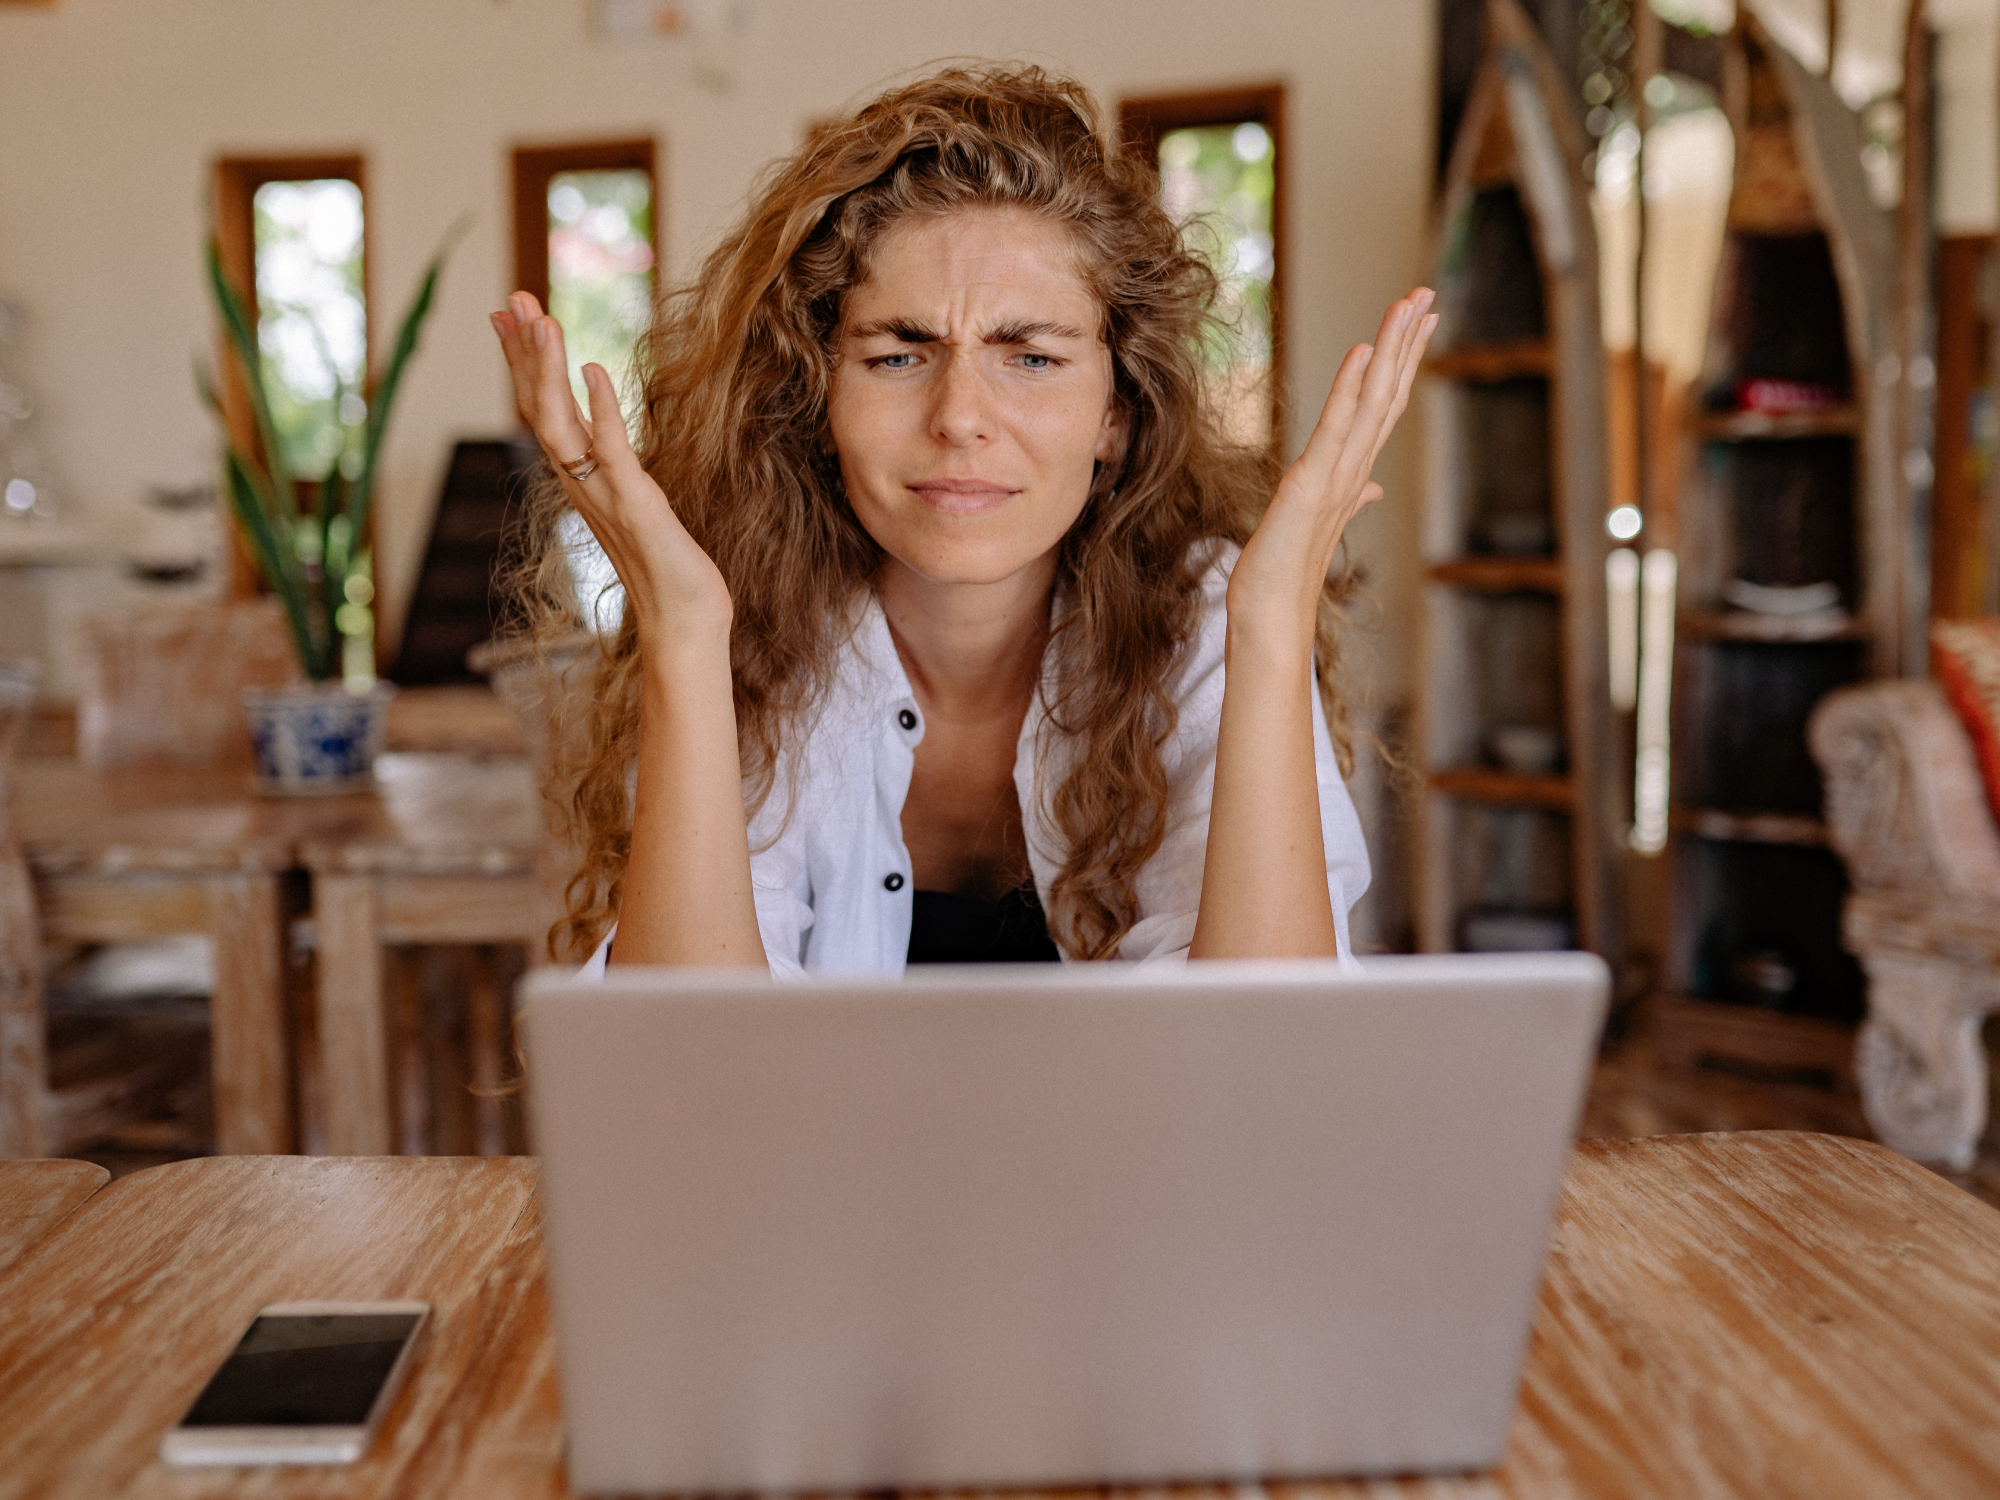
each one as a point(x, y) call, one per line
point(1906, 811)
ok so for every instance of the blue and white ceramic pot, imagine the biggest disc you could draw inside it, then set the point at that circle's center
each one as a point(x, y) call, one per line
point(317, 739)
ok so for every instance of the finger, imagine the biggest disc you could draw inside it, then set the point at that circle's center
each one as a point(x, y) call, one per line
point(1344, 409)
point(509, 331)
point(559, 422)
point(1329, 434)
point(1386, 378)
point(535, 332)
point(1378, 392)
point(607, 418)
point(1413, 359)
point(1421, 328)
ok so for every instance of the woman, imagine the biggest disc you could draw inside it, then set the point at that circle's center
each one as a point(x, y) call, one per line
point(938, 641)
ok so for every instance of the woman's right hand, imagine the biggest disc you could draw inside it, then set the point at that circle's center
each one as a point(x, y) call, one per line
point(674, 589)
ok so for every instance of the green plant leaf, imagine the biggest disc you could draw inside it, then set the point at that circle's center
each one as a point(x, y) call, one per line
point(242, 335)
point(333, 570)
point(204, 385)
point(275, 561)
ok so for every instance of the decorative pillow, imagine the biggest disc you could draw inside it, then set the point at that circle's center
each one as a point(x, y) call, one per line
point(1965, 658)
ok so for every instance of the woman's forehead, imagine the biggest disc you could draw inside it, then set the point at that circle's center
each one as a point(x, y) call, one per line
point(977, 264)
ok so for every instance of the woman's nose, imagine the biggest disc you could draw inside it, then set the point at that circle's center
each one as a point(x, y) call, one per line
point(961, 415)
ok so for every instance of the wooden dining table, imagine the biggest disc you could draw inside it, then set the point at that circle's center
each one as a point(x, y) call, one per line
point(119, 856)
point(1765, 1315)
point(35, 1196)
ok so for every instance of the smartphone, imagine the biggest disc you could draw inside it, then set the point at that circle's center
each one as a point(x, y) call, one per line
point(306, 1384)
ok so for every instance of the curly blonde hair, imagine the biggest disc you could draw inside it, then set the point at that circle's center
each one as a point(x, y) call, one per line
point(735, 373)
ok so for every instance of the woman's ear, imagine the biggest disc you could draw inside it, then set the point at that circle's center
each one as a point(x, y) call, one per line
point(1112, 434)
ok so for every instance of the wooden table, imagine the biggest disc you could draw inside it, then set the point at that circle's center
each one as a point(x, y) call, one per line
point(35, 1196)
point(121, 856)
point(1756, 1315)
point(447, 855)
point(125, 855)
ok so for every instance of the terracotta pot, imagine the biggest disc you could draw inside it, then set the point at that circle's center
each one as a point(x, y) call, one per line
point(318, 739)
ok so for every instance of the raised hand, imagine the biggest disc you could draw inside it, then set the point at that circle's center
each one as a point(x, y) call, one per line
point(675, 591)
point(1264, 882)
point(1284, 564)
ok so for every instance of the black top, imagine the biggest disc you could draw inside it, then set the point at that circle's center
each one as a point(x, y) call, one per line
point(947, 929)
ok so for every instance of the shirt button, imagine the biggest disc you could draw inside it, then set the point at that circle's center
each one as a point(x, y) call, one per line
point(892, 882)
point(909, 721)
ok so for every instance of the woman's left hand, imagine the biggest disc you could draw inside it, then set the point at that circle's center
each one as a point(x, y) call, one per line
point(1278, 579)
point(1264, 891)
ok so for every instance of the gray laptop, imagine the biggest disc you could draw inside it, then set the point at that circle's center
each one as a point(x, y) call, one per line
point(1051, 1225)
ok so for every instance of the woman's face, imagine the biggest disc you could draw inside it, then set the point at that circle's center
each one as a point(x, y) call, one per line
point(971, 394)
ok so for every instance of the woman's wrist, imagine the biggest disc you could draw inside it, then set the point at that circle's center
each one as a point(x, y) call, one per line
point(1271, 632)
point(690, 656)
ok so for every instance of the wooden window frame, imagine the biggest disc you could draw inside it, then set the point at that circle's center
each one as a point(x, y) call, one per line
point(1141, 123)
point(237, 179)
point(1963, 262)
point(534, 167)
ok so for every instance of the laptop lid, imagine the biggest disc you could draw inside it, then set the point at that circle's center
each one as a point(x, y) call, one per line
point(1050, 1225)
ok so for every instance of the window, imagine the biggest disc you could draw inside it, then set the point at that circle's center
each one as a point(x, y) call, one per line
point(586, 245)
point(293, 237)
point(1220, 158)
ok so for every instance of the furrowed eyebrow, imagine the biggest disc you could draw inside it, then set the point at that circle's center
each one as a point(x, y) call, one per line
point(903, 330)
point(910, 331)
point(1027, 333)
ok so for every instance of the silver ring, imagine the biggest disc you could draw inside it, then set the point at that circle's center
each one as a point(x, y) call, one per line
point(581, 469)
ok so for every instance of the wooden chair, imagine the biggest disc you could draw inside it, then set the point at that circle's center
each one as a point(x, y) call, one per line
point(164, 686)
point(1906, 811)
point(540, 688)
point(160, 690)
point(23, 1066)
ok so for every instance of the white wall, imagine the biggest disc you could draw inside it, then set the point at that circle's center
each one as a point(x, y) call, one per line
point(111, 112)
point(1968, 128)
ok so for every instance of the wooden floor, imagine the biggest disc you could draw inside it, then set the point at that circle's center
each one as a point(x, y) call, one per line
point(1633, 1092)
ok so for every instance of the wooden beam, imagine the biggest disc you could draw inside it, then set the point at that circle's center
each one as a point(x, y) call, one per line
point(1141, 123)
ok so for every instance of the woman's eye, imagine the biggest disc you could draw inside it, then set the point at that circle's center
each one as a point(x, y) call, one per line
point(899, 361)
point(1038, 362)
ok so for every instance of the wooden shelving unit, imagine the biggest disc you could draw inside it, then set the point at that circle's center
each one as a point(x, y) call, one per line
point(1517, 807)
point(1778, 499)
point(1744, 426)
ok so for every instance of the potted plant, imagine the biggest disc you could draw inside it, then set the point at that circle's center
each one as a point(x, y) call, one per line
point(322, 735)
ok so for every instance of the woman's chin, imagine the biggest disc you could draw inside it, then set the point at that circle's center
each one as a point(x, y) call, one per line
point(968, 564)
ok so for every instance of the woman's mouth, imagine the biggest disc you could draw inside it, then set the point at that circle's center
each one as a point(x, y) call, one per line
point(961, 497)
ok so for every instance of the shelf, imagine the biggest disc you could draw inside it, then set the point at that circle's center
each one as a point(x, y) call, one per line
point(1742, 426)
point(1492, 361)
point(1750, 827)
point(1500, 575)
point(1748, 625)
point(1504, 788)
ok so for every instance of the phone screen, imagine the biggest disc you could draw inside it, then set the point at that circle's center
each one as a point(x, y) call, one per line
point(321, 1370)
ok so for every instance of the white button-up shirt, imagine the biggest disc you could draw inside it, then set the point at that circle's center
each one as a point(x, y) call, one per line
point(828, 868)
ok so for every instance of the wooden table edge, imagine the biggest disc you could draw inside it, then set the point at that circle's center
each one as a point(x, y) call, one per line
point(8, 1261)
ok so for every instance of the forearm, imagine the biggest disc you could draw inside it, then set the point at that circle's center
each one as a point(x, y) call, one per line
point(1263, 888)
point(687, 896)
